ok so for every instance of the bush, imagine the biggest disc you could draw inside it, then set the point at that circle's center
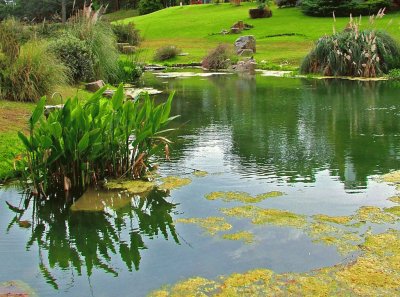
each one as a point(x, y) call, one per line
point(367, 53)
point(126, 33)
point(256, 13)
point(34, 73)
point(394, 74)
point(149, 6)
point(217, 58)
point(166, 53)
point(343, 7)
point(285, 3)
point(76, 55)
point(128, 70)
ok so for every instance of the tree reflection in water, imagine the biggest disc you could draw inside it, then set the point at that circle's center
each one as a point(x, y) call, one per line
point(89, 240)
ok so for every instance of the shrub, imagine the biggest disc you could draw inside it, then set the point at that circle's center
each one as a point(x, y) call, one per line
point(149, 6)
point(343, 7)
point(217, 58)
point(126, 33)
point(34, 73)
point(366, 53)
point(166, 53)
point(256, 13)
point(128, 70)
point(394, 74)
point(82, 143)
point(76, 55)
point(285, 3)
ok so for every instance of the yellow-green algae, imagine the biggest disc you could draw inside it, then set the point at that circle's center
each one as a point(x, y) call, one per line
point(242, 196)
point(199, 173)
point(345, 241)
point(374, 214)
point(174, 182)
point(211, 225)
point(95, 200)
point(395, 199)
point(245, 236)
point(342, 220)
point(392, 177)
point(376, 272)
point(132, 186)
point(266, 216)
point(395, 210)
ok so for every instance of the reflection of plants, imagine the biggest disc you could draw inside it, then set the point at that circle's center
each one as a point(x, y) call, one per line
point(88, 240)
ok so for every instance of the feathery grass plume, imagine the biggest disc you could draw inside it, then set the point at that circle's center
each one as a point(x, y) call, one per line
point(218, 58)
point(366, 53)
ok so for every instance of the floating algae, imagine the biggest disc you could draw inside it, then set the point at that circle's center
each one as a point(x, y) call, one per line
point(174, 182)
point(95, 200)
point(345, 241)
point(342, 220)
point(266, 216)
point(245, 236)
point(132, 186)
point(395, 199)
point(211, 225)
point(375, 273)
point(395, 210)
point(375, 215)
point(199, 173)
point(393, 177)
point(242, 196)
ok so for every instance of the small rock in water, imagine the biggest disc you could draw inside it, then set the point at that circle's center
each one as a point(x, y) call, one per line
point(24, 224)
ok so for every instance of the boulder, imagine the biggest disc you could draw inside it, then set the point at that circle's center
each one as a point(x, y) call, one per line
point(50, 108)
point(129, 49)
point(235, 30)
point(245, 42)
point(248, 66)
point(246, 53)
point(95, 86)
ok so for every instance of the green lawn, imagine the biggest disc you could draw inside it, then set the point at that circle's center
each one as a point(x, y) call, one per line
point(192, 28)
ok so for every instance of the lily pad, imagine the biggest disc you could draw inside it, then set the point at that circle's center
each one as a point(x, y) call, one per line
point(211, 225)
point(96, 200)
point(242, 196)
point(245, 236)
point(174, 182)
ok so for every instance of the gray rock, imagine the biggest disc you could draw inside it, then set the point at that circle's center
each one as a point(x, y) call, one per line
point(108, 93)
point(235, 30)
point(248, 66)
point(95, 86)
point(245, 42)
point(246, 53)
point(129, 49)
point(50, 108)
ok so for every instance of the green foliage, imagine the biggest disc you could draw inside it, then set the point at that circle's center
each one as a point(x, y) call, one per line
point(343, 7)
point(367, 53)
point(149, 6)
point(217, 58)
point(76, 55)
point(394, 74)
point(129, 69)
point(166, 53)
point(82, 143)
point(286, 3)
point(33, 73)
point(126, 33)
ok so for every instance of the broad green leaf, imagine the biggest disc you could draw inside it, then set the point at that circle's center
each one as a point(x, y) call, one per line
point(25, 141)
point(38, 112)
point(84, 142)
point(118, 97)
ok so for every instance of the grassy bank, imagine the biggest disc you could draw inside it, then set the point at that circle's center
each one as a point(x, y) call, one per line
point(285, 38)
point(14, 117)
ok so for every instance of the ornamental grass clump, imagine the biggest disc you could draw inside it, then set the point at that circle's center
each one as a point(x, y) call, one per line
point(353, 52)
point(81, 144)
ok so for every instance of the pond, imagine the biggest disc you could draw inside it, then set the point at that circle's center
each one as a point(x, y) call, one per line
point(265, 156)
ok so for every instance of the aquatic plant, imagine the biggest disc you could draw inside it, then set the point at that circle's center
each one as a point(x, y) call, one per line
point(353, 52)
point(80, 144)
point(245, 236)
point(211, 225)
point(173, 182)
point(242, 196)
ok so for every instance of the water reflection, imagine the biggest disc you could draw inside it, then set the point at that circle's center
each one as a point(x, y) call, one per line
point(84, 241)
point(291, 129)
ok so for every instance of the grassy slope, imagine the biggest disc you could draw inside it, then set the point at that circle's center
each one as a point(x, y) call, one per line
point(13, 118)
point(120, 14)
point(190, 27)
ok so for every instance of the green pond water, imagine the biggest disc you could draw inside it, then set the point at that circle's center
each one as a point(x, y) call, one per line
point(317, 145)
